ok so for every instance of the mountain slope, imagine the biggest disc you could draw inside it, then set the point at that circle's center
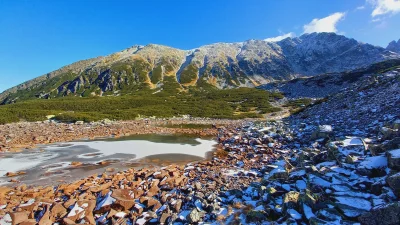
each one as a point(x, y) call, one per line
point(222, 65)
point(323, 85)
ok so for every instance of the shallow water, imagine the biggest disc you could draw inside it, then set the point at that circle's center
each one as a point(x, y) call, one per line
point(50, 164)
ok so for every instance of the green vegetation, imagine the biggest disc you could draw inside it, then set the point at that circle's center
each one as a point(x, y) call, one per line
point(232, 103)
point(156, 75)
point(189, 74)
point(301, 102)
point(298, 105)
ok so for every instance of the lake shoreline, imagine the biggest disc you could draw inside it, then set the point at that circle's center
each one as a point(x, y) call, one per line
point(29, 135)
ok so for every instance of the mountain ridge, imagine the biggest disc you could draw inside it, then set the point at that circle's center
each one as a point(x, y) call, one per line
point(220, 65)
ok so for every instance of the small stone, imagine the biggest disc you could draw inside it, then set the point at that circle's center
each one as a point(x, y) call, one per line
point(351, 159)
point(12, 174)
point(79, 122)
point(164, 217)
point(76, 163)
point(194, 216)
point(290, 200)
point(110, 169)
point(178, 205)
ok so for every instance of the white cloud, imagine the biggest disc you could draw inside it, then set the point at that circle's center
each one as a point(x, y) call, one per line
point(360, 8)
point(327, 24)
point(383, 7)
point(382, 25)
point(376, 20)
point(281, 37)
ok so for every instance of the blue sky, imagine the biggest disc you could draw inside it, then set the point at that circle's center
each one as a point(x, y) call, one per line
point(37, 37)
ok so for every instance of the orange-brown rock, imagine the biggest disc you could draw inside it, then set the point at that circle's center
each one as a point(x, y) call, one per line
point(124, 198)
point(45, 220)
point(101, 187)
point(29, 222)
point(30, 208)
point(58, 211)
point(69, 202)
point(111, 213)
point(76, 164)
point(4, 191)
point(67, 221)
point(18, 217)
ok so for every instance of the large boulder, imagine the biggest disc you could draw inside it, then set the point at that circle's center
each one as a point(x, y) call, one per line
point(392, 144)
point(388, 133)
point(386, 146)
point(373, 166)
point(387, 215)
point(353, 146)
point(394, 182)
point(352, 206)
point(322, 131)
point(124, 198)
point(394, 159)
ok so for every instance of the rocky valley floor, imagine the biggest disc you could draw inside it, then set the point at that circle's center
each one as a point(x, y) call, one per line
point(262, 173)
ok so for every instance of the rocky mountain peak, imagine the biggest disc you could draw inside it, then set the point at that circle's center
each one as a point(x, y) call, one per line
point(394, 46)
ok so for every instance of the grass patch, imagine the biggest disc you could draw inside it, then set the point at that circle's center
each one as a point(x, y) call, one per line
point(167, 103)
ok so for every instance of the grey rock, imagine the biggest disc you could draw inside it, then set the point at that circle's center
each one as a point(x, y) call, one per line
point(387, 215)
point(322, 131)
point(255, 216)
point(394, 183)
point(194, 216)
point(394, 159)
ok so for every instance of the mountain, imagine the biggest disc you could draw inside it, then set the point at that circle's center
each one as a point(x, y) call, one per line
point(394, 46)
point(221, 65)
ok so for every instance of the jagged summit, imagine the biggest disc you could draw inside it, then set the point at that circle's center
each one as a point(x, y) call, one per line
point(394, 46)
point(222, 65)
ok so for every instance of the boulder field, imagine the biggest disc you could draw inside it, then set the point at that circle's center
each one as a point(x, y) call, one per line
point(261, 173)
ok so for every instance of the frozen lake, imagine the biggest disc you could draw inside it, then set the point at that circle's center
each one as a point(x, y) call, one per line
point(52, 163)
